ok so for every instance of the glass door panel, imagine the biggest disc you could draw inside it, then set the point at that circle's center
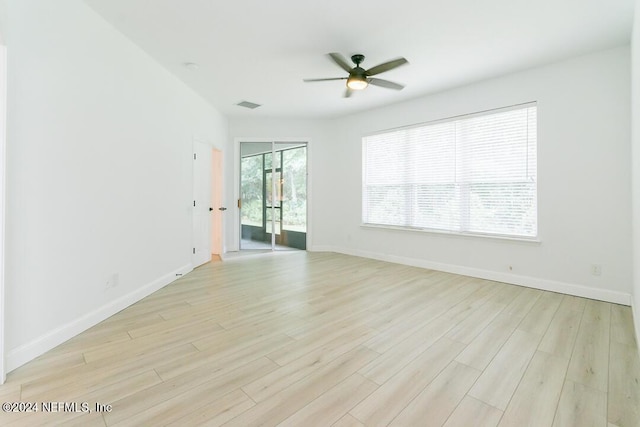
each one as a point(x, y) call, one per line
point(251, 191)
point(252, 196)
point(270, 222)
point(294, 189)
point(273, 211)
point(273, 195)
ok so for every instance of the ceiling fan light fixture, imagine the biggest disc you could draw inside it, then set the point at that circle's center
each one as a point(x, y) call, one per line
point(359, 78)
point(357, 82)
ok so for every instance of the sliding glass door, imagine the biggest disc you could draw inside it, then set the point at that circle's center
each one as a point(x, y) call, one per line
point(273, 195)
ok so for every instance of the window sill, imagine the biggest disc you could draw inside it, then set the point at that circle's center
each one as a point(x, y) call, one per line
point(533, 240)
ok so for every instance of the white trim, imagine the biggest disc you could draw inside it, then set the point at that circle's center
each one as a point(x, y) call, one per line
point(535, 240)
point(636, 322)
point(197, 258)
point(29, 351)
point(322, 248)
point(309, 194)
point(488, 112)
point(513, 279)
point(221, 186)
point(235, 242)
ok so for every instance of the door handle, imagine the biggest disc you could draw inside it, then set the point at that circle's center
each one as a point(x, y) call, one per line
point(221, 209)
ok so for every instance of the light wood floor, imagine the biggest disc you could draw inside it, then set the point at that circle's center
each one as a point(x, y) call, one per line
point(318, 339)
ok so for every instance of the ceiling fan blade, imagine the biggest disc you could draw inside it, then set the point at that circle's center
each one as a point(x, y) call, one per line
point(348, 92)
point(390, 65)
point(324, 80)
point(385, 83)
point(339, 59)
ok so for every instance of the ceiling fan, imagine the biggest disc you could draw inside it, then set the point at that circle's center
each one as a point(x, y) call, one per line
point(359, 78)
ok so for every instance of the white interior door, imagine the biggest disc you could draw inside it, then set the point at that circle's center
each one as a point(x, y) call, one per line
point(201, 203)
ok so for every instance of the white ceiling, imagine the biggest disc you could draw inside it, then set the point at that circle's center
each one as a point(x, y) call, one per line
point(260, 50)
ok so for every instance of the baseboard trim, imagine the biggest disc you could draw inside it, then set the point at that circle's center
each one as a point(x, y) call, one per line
point(514, 279)
point(636, 321)
point(322, 249)
point(29, 351)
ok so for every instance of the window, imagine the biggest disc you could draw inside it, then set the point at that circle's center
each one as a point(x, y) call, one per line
point(474, 174)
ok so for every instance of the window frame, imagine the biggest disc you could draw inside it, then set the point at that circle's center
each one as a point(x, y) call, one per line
point(448, 232)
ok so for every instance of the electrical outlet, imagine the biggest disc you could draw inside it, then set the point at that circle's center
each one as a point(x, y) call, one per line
point(112, 281)
point(596, 269)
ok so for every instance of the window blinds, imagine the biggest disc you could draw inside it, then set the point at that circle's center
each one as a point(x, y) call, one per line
point(472, 174)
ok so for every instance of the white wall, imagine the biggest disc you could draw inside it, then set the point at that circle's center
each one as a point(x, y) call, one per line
point(635, 161)
point(3, 167)
point(320, 169)
point(584, 181)
point(99, 172)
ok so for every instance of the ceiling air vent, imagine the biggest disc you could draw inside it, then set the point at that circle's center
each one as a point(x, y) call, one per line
point(248, 104)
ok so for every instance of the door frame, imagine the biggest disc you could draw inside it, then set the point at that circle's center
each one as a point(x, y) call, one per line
point(214, 184)
point(235, 243)
point(217, 202)
point(200, 216)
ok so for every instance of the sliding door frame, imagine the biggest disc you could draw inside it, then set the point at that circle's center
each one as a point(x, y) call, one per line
point(236, 183)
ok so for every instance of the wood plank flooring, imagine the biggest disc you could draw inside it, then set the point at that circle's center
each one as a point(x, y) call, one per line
point(321, 339)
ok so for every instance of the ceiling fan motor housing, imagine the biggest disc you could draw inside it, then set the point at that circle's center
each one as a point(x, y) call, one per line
point(357, 59)
point(358, 72)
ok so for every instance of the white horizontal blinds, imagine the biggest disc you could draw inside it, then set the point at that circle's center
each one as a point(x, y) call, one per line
point(385, 179)
point(434, 194)
point(405, 178)
point(473, 174)
point(494, 155)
